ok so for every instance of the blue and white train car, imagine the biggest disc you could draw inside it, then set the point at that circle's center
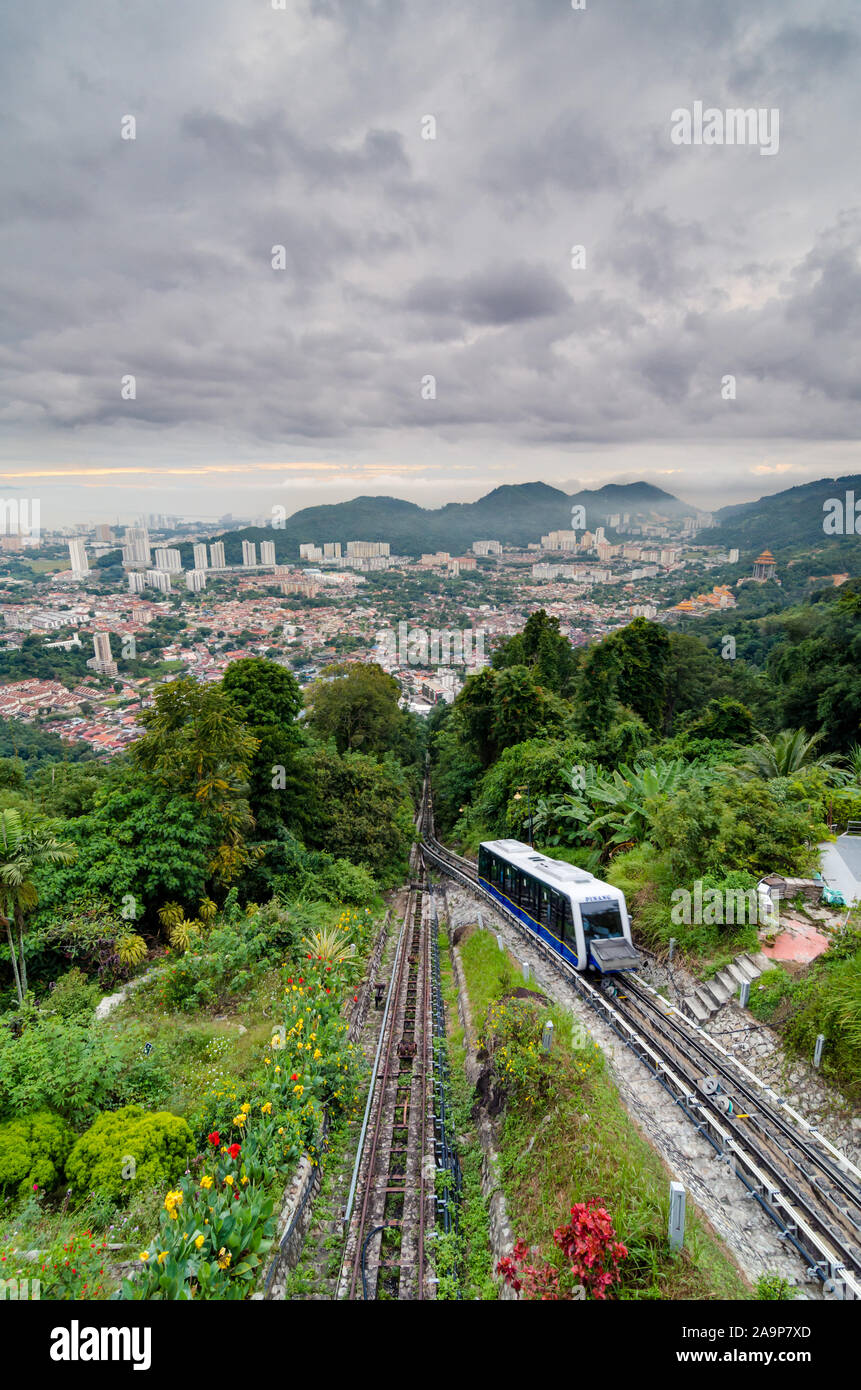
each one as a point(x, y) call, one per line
point(581, 918)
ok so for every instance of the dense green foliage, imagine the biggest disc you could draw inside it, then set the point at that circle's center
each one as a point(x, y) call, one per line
point(127, 1147)
point(33, 1151)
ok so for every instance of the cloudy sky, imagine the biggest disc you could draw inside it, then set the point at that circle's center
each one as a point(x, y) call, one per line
point(408, 258)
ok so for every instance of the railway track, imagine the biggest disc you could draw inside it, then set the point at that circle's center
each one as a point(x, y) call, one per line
point(390, 1207)
point(804, 1184)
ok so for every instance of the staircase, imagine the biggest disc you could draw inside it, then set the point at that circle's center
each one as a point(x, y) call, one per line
point(707, 998)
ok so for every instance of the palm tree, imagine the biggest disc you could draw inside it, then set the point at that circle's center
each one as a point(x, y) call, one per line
point(23, 850)
point(789, 752)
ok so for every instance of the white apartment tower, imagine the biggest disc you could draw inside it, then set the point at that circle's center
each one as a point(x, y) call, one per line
point(170, 560)
point(195, 580)
point(249, 553)
point(78, 555)
point(200, 557)
point(267, 552)
point(216, 556)
point(136, 547)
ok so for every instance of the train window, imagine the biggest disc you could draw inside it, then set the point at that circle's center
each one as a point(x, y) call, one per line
point(508, 880)
point(567, 933)
point(601, 920)
point(544, 914)
point(529, 895)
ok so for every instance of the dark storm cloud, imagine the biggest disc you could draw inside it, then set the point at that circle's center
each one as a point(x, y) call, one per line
point(508, 294)
point(407, 256)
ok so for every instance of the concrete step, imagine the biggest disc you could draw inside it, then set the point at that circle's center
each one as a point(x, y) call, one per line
point(749, 969)
point(706, 1000)
point(696, 1009)
point(717, 990)
point(728, 980)
point(734, 972)
point(758, 960)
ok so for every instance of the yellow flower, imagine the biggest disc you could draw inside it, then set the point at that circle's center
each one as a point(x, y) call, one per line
point(199, 1241)
point(317, 1053)
point(239, 1120)
point(162, 1256)
point(144, 1255)
point(277, 1070)
point(229, 1179)
point(281, 1129)
point(206, 1182)
point(275, 1043)
point(267, 1108)
point(297, 1090)
point(223, 1258)
point(244, 1180)
point(246, 1108)
point(267, 1061)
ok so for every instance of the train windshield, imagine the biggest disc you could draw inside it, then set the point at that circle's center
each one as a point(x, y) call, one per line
point(601, 920)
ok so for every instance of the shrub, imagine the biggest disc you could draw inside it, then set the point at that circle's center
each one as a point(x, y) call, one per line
point(73, 994)
point(159, 1144)
point(33, 1149)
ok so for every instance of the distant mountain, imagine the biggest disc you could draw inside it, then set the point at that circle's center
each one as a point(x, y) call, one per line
point(514, 514)
point(785, 520)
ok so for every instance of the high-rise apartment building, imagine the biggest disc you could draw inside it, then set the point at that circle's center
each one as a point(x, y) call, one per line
point(267, 552)
point(249, 553)
point(216, 556)
point(331, 550)
point(195, 580)
point(200, 557)
point(364, 550)
point(136, 546)
point(158, 579)
point(137, 582)
point(78, 556)
point(170, 560)
point(103, 661)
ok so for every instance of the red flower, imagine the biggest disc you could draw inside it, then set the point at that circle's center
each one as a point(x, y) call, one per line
point(233, 1150)
point(35, 1187)
point(355, 998)
point(301, 981)
point(294, 1077)
point(328, 991)
point(290, 980)
point(214, 1137)
point(236, 1196)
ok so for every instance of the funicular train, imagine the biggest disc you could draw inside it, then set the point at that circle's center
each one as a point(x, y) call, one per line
point(580, 917)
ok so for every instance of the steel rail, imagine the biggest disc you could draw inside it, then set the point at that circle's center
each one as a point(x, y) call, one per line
point(382, 1079)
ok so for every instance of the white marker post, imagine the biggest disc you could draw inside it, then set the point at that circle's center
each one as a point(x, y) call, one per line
point(676, 1232)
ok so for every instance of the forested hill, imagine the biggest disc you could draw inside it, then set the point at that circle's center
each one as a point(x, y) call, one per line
point(513, 514)
point(787, 520)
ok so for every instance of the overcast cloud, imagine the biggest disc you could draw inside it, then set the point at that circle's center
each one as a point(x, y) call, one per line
point(408, 257)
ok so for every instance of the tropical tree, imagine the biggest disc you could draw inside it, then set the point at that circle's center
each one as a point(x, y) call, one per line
point(24, 849)
point(788, 753)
